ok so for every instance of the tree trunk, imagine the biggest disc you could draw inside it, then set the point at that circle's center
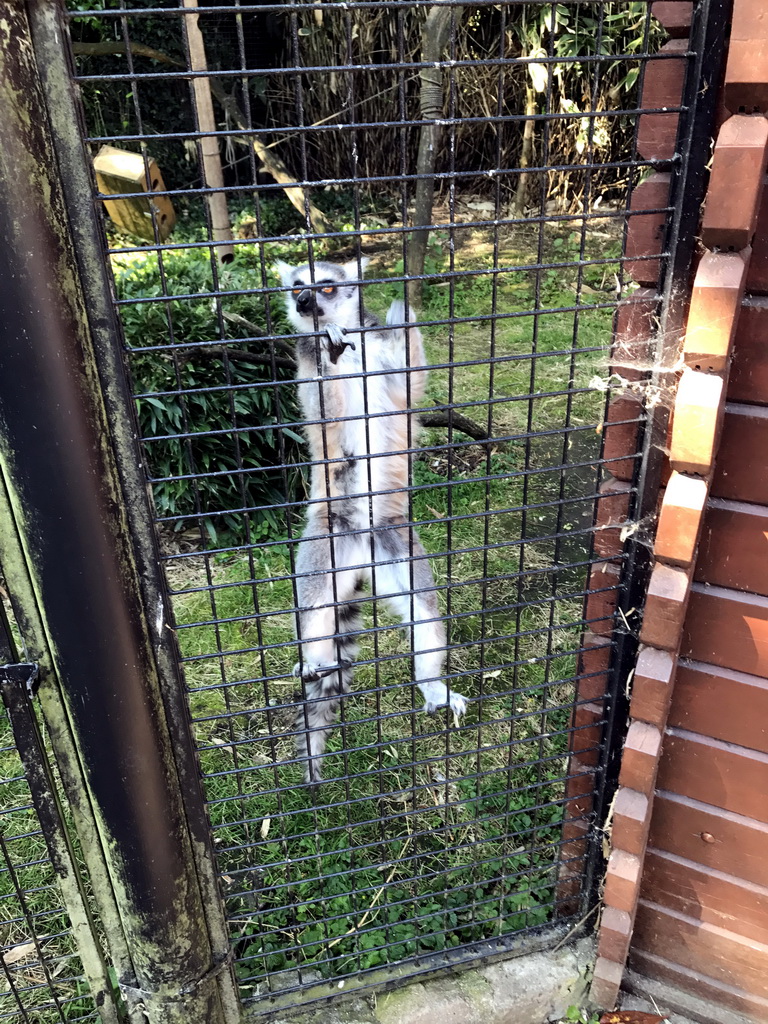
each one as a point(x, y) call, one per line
point(526, 155)
point(213, 177)
point(434, 38)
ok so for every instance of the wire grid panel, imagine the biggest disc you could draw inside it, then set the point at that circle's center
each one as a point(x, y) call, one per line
point(42, 979)
point(42, 975)
point(432, 835)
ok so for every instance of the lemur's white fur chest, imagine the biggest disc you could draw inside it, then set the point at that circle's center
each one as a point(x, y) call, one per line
point(348, 408)
point(356, 389)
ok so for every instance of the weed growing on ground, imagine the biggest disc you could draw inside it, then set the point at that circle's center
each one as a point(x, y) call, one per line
point(577, 1015)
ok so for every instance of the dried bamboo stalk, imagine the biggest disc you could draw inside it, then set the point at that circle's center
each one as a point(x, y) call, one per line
point(209, 144)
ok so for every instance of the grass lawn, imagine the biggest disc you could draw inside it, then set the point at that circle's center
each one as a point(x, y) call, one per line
point(425, 837)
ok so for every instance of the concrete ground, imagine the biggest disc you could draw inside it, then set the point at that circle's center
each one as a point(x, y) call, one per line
point(632, 1002)
point(535, 989)
point(530, 989)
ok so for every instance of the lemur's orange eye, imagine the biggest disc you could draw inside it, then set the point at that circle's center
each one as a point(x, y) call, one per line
point(328, 291)
point(296, 291)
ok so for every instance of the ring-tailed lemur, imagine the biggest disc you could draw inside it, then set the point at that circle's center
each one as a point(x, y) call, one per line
point(357, 520)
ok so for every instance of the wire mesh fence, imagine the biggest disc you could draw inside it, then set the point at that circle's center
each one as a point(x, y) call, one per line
point(42, 975)
point(440, 568)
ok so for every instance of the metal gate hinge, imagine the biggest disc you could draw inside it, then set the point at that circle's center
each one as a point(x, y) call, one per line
point(20, 674)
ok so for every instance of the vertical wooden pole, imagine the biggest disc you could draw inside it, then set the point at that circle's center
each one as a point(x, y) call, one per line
point(209, 144)
point(434, 39)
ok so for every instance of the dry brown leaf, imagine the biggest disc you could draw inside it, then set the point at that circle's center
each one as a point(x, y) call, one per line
point(16, 953)
point(632, 1017)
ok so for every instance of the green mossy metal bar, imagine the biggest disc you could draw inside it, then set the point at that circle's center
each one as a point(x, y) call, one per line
point(58, 466)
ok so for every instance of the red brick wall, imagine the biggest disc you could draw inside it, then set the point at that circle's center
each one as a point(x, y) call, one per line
point(687, 882)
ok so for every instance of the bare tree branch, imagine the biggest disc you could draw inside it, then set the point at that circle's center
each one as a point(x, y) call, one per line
point(439, 416)
point(270, 161)
point(108, 49)
point(257, 332)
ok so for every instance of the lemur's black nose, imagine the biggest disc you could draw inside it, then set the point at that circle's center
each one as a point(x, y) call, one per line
point(305, 301)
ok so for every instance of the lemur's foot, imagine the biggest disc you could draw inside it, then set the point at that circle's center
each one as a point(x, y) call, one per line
point(337, 342)
point(311, 673)
point(436, 695)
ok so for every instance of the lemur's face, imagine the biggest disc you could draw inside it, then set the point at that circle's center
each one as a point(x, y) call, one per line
point(326, 294)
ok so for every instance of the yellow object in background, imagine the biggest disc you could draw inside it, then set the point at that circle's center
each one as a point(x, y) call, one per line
point(118, 171)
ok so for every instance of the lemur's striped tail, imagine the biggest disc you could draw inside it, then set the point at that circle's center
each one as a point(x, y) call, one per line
point(396, 313)
point(317, 715)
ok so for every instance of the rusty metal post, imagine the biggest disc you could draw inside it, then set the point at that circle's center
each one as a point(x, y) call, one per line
point(67, 542)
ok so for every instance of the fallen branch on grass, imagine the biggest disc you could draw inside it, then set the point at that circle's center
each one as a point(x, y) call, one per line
point(432, 416)
point(440, 416)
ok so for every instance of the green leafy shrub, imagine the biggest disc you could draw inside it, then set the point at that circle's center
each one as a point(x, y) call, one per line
point(209, 413)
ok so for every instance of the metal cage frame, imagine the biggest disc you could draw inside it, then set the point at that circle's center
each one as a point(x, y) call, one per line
point(435, 843)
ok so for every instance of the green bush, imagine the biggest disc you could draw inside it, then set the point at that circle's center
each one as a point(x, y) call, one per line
point(209, 418)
